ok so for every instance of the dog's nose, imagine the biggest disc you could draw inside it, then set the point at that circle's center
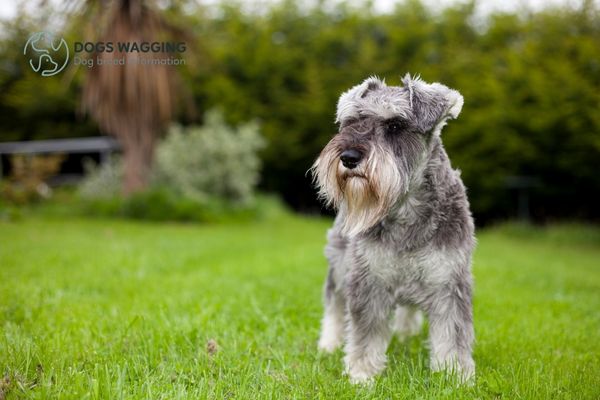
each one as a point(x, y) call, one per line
point(351, 158)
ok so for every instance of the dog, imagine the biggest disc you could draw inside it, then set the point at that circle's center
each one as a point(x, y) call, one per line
point(403, 236)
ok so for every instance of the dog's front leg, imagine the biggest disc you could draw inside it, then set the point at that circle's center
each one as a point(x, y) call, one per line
point(332, 325)
point(368, 334)
point(451, 331)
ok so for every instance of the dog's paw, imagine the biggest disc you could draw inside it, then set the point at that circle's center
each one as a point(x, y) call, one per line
point(332, 334)
point(362, 381)
point(463, 372)
point(361, 378)
point(363, 371)
point(466, 376)
point(330, 339)
point(329, 344)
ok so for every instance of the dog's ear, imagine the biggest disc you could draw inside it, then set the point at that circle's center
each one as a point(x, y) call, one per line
point(432, 104)
point(349, 101)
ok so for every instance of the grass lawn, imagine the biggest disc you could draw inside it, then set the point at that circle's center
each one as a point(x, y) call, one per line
point(93, 308)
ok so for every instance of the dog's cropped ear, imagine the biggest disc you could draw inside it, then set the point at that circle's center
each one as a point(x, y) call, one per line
point(432, 104)
point(349, 104)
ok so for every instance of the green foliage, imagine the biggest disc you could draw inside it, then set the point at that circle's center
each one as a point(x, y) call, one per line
point(29, 174)
point(162, 204)
point(205, 173)
point(112, 309)
point(211, 161)
point(531, 83)
point(102, 181)
point(31, 106)
point(531, 86)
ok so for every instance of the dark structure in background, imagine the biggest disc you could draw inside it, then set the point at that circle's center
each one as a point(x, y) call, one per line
point(99, 148)
point(523, 185)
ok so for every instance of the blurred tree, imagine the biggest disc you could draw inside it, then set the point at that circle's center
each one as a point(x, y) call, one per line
point(31, 106)
point(134, 102)
point(530, 81)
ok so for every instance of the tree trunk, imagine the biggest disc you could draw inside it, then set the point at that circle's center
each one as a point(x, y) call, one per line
point(138, 155)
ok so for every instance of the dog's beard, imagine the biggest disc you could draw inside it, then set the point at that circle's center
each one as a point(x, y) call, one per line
point(362, 195)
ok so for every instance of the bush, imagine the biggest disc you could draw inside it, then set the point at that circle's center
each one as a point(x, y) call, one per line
point(102, 181)
point(29, 174)
point(159, 204)
point(211, 161)
point(201, 174)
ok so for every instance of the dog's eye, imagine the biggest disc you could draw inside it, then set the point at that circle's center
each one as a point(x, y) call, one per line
point(395, 126)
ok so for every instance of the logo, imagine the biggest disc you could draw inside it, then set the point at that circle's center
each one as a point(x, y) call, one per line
point(48, 55)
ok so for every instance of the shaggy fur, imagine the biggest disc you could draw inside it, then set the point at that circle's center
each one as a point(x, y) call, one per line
point(402, 240)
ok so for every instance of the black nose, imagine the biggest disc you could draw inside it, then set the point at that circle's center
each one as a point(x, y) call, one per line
point(351, 158)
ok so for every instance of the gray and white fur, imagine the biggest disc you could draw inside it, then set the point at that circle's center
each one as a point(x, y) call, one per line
point(403, 236)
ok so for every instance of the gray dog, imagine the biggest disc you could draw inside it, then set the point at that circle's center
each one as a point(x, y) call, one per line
point(403, 236)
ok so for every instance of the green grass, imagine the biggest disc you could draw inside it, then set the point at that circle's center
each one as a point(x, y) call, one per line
point(93, 308)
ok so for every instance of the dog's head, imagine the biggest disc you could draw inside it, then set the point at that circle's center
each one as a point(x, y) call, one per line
point(384, 140)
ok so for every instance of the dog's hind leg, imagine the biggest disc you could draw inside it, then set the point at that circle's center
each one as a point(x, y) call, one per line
point(407, 322)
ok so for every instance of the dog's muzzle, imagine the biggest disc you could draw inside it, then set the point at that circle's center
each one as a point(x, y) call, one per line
point(351, 158)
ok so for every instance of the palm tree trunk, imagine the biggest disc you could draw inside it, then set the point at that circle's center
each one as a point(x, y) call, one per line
point(138, 155)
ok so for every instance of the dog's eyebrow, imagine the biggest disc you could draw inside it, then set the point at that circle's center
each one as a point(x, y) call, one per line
point(397, 120)
point(348, 121)
point(352, 120)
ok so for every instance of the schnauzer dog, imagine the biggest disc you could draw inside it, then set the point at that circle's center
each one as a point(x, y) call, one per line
point(402, 239)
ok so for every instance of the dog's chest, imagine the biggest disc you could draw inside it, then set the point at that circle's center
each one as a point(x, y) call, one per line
point(422, 267)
